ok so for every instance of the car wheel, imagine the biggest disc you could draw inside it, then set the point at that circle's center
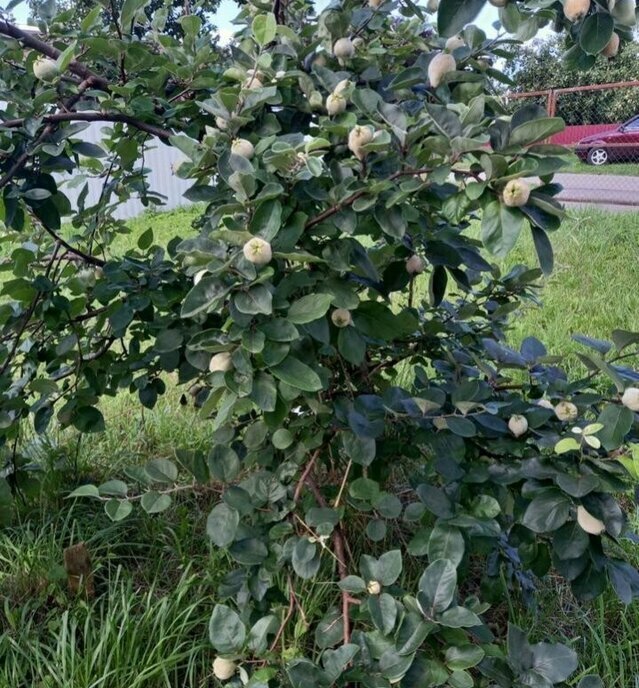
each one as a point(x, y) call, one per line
point(597, 156)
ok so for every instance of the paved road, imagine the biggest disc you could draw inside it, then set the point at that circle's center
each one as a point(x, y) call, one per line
point(614, 192)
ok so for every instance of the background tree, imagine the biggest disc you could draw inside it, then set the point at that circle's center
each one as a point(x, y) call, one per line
point(370, 429)
point(166, 11)
point(534, 68)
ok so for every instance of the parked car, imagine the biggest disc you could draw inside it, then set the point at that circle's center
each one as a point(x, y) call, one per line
point(617, 145)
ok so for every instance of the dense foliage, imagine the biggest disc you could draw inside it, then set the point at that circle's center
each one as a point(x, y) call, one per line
point(370, 430)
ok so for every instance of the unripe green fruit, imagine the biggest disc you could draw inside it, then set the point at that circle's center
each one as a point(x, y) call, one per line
point(566, 411)
point(335, 104)
point(612, 47)
point(516, 193)
point(223, 669)
point(630, 398)
point(357, 138)
point(221, 362)
point(374, 587)
point(439, 66)
point(455, 42)
point(343, 48)
point(576, 9)
point(257, 251)
point(315, 100)
point(243, 147)
point(341, 317)
point(589, 523)
point(518, 425)
point(45, 69)
point(415, 265)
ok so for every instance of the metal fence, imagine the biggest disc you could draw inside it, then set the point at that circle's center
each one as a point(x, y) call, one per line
point(602, 128)
point(158, 158)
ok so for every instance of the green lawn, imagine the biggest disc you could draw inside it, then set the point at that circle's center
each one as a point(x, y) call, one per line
point(159, 573)
point(625, 169)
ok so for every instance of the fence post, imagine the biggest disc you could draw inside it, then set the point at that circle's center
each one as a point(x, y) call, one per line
point(552, 103)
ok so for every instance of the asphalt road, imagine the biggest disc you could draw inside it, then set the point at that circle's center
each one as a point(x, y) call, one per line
point(611, 191)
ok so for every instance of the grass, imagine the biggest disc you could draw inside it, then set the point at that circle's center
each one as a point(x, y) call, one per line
point(156, 577)
point(625, 169)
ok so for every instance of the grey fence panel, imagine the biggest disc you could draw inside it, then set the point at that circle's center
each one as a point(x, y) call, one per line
point(158, 158)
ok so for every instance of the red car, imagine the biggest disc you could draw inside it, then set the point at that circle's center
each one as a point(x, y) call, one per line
point(618, 145)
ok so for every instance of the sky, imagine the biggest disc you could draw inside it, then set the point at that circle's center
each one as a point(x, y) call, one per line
point(228, 9)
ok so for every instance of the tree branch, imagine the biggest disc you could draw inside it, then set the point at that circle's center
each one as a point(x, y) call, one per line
point(30, 41)
point(152, 129)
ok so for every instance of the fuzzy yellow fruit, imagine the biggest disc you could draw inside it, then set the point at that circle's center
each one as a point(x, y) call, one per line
point(374, 587)
point(358, 137)
point(576, 9)
point(415, 265)
point(257, 251)
point(221, 123)
point(439, 66)
point(589, 523)
point(341, 317)
point(516, 193)
point(566, 411)
point(544, 403)
point(252, 82)
point(343, 48)
point(518, 425)
point(455, 42)
point(335, 104)
point(221, 362)
point(612, 47)
point(630, 398)
point(342, 87)
point(374, 4)
point(197, 278)
point(243, 147)
point(223, 669)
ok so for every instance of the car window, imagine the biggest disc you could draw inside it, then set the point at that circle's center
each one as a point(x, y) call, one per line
point(633, 126)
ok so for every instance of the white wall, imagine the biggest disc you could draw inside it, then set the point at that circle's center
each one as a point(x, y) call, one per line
point(158, 159)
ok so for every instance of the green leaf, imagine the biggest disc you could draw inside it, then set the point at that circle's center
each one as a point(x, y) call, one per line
point(336, 661)
point(438, 584)
point(537, 130)
point(207, 294)
point(145, 239)
point(227, 633)
point(88, 419)
point(162, 471)
point(453, 15)
point(547, 512)
point(154, 502)
point(446, 542)
point(305, 559)
point(590, 681)
point(117, 509)
point(500, 227)
point(309, 308)
point(282, 438)
point(256, 300)
point(360, 450)
point(389, 567)
point(459, 617)
point(6, 503)
point(129, 10)
point(555, 662)
point(596, 32)
point(261, 629)
point(297, 374)
point(463, 657)
point(224, 463)
point(264, 28)
point(353, 584)
point(85, 491)
point(351, 345)
point(383, 612)
point(617, 421)
point(113, 488)
point(221, 525)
